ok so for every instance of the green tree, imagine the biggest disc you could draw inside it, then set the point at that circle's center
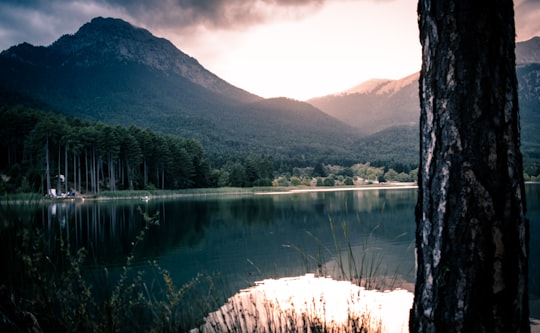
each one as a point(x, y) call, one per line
point(319, 170)
point(329, 181)
point(237, 174)
point(348, 181)
point(131, 155)
point(391, 175)
point(39, 143)
point(295, 181)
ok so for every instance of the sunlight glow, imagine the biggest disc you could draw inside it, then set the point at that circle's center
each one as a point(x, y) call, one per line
point(307, 302)
point(341, 46)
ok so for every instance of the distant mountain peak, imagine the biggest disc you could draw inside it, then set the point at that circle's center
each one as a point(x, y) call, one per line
point(366, 87)
point(381, 86)
point(112, 41)
point(110, 37)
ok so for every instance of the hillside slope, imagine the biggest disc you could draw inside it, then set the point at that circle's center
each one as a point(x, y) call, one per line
point(377, 105)
point(114, 72)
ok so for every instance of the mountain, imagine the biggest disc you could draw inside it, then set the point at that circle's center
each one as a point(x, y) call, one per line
point(374, 105)
point(528, 74)
point(108, 41)
point(114, 72)
point(393, 106)
point(528, 52)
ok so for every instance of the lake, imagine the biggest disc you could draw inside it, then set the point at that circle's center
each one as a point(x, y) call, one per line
point(246, 238)
point(366, 235)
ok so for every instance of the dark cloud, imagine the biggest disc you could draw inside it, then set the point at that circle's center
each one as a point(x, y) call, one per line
point(41, 21)
point(220, 14)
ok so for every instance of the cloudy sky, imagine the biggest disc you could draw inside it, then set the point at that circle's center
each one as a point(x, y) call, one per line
point(293, 48)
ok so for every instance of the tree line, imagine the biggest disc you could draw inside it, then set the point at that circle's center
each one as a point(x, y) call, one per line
point(53, 154)
point(48, 153)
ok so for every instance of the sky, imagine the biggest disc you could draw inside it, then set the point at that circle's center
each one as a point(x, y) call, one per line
point(293, 48)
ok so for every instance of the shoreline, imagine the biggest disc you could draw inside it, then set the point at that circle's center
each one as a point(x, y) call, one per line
point(145, 195)
point(393, 186)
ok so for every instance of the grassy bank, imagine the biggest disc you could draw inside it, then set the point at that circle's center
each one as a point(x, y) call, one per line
point(195, 192)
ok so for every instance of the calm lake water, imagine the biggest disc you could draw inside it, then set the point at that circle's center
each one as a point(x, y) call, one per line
point(251, 237)
point(248, 238)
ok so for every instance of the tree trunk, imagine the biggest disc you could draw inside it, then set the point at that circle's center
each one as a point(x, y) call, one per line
point(110, 165)
point(100, 173)
point(59, 170)
point(145, 173)
point(472, 234)
point(93, 172)
point(66, 164)
point(94, 175)
point(86, 169)
point(74, 172)
point(79, 172)
point(47, 168)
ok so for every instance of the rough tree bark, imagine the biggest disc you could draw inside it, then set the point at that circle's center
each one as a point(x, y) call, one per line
point(472, 234)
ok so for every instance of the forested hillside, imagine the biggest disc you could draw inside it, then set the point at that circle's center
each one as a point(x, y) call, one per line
point(43, 151)
point(388, 105)
point(113, 72)
point(375, 105)
point(121, 81)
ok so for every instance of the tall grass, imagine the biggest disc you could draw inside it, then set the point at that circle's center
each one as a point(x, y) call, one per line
point(364, 266)
point(49, 279)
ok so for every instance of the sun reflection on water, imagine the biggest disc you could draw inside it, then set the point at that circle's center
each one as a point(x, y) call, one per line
point(311, 304)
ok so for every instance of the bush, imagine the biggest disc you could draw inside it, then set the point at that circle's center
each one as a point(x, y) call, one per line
point(329, 181)
point(262, 182)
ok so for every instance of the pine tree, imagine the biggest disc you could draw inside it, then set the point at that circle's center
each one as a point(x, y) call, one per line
point(472, 234)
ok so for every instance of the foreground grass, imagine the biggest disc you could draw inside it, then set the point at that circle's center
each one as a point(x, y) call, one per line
point(47, 289)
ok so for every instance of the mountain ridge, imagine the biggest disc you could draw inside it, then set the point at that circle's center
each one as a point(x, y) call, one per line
point(374, 105)
point(114, 72)
point(119, 41)
point(380, 104)
point(380, 86)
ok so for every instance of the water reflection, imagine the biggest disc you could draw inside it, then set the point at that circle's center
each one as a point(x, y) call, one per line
point(311, 304)
point(359, 235)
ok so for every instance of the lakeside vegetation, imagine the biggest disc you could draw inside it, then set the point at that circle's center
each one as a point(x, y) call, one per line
point(51, 282)
point(56, 155)
point(50, 154)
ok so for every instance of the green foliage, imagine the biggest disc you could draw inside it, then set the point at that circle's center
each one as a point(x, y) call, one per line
point(93, 156)
point(295, 181)
point(319, 170)
point(329, 181)
point(253, 171)
point(367, 172)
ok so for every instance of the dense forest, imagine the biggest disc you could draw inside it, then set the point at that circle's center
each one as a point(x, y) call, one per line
point(48, 153)
point(44, 151)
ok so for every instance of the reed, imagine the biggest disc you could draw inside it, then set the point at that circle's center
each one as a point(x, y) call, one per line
point(50, 280)
point(364, 266)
